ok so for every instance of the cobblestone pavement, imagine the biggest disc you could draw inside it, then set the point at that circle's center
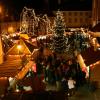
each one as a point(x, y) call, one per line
point(85, 93)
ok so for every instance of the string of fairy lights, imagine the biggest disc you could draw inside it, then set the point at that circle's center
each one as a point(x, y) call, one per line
point(30, 23)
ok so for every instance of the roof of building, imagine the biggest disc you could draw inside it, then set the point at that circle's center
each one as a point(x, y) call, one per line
point(26, 48)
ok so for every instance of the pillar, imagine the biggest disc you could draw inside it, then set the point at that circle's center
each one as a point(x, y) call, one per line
point(1, 52)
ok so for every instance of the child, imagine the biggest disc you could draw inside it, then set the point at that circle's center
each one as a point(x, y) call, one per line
point(71, 86)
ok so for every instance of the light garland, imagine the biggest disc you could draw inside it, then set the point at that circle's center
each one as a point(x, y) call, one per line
point(28, 21)
point(47, 23)
point(31, 24)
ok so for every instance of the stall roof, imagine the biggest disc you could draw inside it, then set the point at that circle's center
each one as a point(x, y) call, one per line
point(10, 68)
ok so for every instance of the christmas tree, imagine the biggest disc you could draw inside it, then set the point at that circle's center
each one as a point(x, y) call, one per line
point(59, 41)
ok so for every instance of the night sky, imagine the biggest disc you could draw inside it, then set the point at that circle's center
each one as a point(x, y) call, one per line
point(14, 7)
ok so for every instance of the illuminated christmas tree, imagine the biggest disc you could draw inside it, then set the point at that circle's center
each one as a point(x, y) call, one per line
point(59, 41)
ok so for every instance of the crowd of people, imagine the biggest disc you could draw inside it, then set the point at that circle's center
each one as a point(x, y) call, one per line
point(66, 75)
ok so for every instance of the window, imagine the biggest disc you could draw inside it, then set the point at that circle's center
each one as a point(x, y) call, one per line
point(86, 14)
point(75, 13)
point(86, 20)
point(69, 13)
point(75, 20)
point(81, 13)
point(81, 20)
point(69, 20)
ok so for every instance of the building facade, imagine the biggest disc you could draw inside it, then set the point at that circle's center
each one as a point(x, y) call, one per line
point(95, 12)
point(9, 27)
point(77, 18)
point(73, 19)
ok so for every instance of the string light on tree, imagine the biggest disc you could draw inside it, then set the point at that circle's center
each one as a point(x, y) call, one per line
point(59, 41)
